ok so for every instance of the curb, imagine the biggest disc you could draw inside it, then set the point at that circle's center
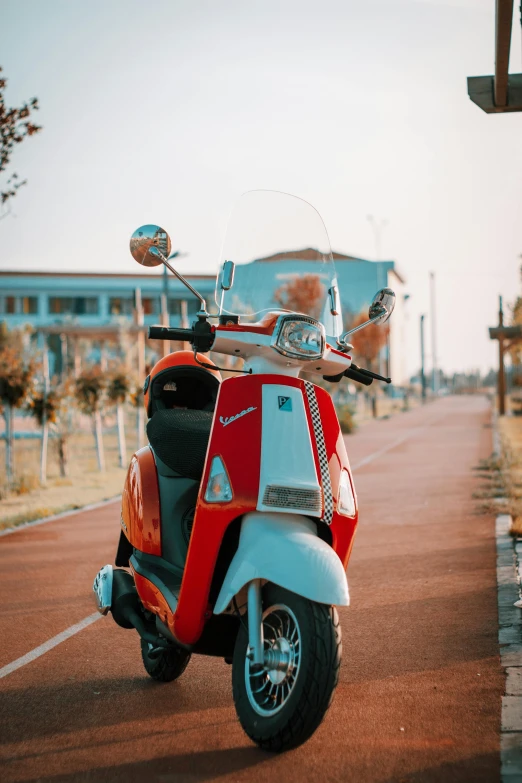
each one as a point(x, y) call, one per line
point(509, 557)
point(509, 571)
point(9, 530)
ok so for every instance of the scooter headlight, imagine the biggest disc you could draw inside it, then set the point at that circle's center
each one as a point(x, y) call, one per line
point(299, 337)
point(346, 497)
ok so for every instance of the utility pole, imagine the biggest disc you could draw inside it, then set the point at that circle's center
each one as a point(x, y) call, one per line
point(501, 371)
point(435, 373)
point(422, 374)
point(377, 227)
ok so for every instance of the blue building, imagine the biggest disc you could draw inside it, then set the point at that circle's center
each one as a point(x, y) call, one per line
point(99, 306)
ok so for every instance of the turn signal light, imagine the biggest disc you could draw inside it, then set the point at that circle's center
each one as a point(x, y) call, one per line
point(345, 498)
point(218, 487)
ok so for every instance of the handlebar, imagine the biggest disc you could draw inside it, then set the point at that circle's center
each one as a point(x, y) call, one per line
point(356, 375)
point(368, 374)
point(171, 333)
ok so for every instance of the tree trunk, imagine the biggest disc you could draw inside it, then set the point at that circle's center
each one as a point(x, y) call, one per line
point(8, 417)
point(43, 453)
point(121, 434)
point(62, 456)
point(99, 441)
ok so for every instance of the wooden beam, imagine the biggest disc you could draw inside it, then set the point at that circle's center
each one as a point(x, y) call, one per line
point(481, 92)
point(503, 25)
point(506, 332)
point(501, 371)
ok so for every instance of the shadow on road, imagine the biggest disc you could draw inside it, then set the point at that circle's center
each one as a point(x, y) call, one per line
point(186, 768)
point(41, 711)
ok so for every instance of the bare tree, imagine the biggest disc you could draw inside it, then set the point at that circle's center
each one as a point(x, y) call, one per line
point(303, 294)
point(16, 374)
point(15, 126)
point(89, 392)
point(55, 408)
point(118, 389)
point(367, 345)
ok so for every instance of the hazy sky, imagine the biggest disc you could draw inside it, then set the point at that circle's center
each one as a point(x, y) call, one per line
point(167, 111)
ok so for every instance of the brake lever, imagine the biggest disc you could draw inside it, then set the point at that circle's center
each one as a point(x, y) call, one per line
point(371, 374)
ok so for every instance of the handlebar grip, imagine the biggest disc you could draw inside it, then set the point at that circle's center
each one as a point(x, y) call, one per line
point(355, 375)
point(170, 333)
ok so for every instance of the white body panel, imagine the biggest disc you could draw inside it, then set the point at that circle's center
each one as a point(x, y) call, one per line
point(287, 458)
point(257, 351)
point(285, 549)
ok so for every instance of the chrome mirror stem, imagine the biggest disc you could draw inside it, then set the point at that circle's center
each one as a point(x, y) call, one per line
point(344, 335)
point(203, 308)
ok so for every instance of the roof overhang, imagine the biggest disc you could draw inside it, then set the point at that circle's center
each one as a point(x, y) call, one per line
point(503, 91)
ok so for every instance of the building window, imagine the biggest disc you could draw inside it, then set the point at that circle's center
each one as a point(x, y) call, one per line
point(18, 305)
point(73, 305)
point(121, 305)
point(29, 305)
point(151, 305)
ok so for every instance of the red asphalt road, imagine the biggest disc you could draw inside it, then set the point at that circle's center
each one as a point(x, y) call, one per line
point(420, 689)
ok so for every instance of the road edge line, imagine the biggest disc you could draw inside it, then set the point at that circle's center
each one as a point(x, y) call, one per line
point(90, 507)
point(48, 645)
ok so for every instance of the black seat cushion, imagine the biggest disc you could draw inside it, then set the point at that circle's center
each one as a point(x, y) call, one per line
point(180, 439)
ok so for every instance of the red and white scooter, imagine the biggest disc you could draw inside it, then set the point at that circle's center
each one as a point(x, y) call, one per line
point(238, 519)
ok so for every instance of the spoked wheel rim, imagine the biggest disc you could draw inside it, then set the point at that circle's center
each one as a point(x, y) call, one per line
point(269, 688)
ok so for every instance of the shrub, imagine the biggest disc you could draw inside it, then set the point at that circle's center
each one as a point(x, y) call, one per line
point(346, 417)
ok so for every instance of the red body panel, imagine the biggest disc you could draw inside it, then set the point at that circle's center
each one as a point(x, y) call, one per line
point(239, 445)
point(140, 503)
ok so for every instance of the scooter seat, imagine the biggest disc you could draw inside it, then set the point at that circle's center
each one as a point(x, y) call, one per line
point(180, 438)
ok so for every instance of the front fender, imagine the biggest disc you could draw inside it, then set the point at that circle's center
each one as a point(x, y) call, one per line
point(286, 550)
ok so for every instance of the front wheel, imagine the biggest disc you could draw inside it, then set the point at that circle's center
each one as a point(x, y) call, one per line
point(281, 707)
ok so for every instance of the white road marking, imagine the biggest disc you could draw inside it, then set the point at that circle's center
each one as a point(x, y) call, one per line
point(62, 637)
point(376, 454)
point(46, 646)
point(394, 444)
point(91, 507)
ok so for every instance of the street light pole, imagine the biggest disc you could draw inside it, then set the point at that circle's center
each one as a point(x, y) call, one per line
point(422, 374)
point(377, 227)
point(435, 373)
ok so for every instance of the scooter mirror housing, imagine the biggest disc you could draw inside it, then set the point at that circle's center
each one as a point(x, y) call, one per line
point(227, 275)
point(382, 306)
point(380, 310)
point(146, 239)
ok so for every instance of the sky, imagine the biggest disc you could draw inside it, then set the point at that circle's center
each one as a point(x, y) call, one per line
point(166, 112)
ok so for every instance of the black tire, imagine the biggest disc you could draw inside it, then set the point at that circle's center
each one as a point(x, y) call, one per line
point(312, 688)
point(168, 665)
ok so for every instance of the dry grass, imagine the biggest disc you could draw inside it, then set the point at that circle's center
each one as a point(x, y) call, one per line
point(510, 428)
point(27, 500)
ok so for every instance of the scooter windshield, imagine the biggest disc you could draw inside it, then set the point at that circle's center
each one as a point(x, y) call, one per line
point(283, 261)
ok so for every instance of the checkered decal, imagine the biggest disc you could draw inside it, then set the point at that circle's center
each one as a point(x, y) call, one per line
point(321, 450)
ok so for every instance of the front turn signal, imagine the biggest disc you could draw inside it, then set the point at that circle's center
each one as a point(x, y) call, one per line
point(218, 486)
point(345, 498)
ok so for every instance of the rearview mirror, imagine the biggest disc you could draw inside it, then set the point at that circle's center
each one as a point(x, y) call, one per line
point(382, 305)
point(227, 275)
point(146, 239)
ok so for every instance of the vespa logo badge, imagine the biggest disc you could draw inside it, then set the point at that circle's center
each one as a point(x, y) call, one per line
point(226, 420)
point(285, 403)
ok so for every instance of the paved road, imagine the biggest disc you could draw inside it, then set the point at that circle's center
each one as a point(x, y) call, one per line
point(419, 697)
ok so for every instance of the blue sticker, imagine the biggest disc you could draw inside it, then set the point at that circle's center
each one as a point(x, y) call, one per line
point(285, 403)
